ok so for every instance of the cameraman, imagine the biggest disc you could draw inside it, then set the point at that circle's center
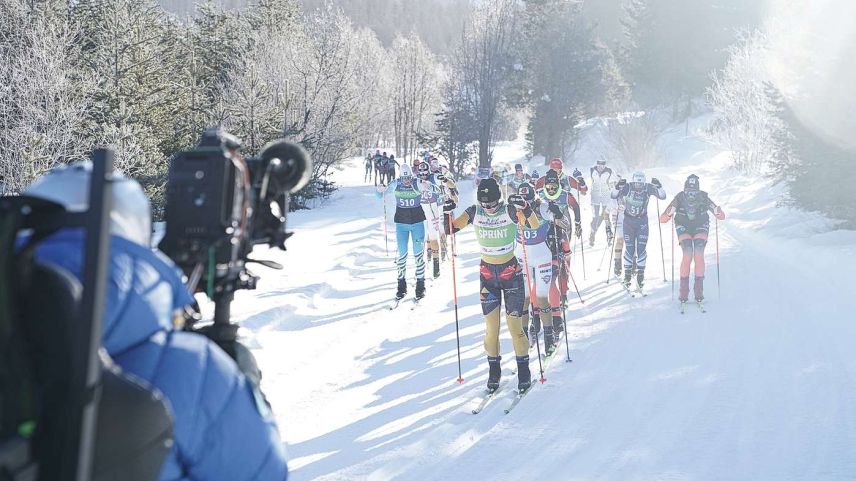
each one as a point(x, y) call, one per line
point(223, 428)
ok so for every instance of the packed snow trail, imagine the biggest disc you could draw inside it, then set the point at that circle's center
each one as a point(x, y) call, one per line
point(761, 387)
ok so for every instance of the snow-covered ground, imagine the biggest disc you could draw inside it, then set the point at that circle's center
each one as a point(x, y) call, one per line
point(762, 387)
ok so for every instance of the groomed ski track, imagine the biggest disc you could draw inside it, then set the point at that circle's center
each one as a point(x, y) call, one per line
point(761, 387)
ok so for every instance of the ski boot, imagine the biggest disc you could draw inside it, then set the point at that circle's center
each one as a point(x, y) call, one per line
point(524, 377)
point(558, 326)
point(698, 288)
point(591, 239)
point(494, 372)
point(436, 267)
point(420, 288)
point(640, 280)
point(549, 341)
point(617, 268)
point(402, 289)
point(628, 274)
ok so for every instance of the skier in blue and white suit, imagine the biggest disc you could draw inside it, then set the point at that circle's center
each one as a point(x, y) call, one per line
point(222, 424)
point(409, 224)
point(636, 195)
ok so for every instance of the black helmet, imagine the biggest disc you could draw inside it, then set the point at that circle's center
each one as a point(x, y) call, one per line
point(526, 191)
point(518, 167)
point(423, 170)
point(488, 191)
point(551, 177)
point(691, 183)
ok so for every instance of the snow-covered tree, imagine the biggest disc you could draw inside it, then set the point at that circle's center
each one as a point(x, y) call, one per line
point(43, 96)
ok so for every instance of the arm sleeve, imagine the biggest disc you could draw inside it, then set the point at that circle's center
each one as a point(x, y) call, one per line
point(465, 219)
point(575, 206)
point(574, 184)
point(658, 192)
point(711, 205)
point(673, 206)
point(237, 441)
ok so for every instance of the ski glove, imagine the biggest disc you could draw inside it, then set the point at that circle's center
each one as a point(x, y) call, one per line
point(718, 213)
point(381, 188)
point(517, 201)
point(556, 210)
point(577, 174)
point(656, 183)
point(621, 183)
point(449, 205)
point(665, 217)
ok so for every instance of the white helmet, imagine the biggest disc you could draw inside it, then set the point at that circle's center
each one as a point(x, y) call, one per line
point(130, 217)
point(406, 171)
point(638, 178)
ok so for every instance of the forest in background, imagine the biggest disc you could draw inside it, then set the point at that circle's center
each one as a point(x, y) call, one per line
point(453, 76)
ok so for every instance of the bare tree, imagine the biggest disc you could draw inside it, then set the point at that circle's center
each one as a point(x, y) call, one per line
point(485, 61)
point(415, 90)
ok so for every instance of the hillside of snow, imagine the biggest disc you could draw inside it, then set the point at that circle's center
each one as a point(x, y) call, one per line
point(761, 387)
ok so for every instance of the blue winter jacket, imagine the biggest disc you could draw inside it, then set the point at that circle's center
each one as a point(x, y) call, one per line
point(220, 433)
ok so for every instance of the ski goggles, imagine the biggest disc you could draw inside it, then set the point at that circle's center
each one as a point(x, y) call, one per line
point(490, 206)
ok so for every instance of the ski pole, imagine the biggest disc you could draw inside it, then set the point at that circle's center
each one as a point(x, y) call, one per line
point(455, 297)
point(385, 235)
point(602, 257)
point(571, 275)
point(564, 320)
point(612, 252)
point(582, 242)
point(520, 221)
point(674, 234)
point(718, 289)
point(662, 252)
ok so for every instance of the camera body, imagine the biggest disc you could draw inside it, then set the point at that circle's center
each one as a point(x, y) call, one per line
point(220, 204)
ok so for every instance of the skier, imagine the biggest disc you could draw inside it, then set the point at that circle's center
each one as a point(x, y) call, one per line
point(432, 204)
point(554, 193)
point(518, 179)
point(391, 164)
point(600, 199)
point(449, 189)
point(409, 225)
point(496, 225)
point(378, 168)
point(217, 407)
point(616, 213)
point(568, 183)
point(636, 195)
point(692, 224)
point(369, 168)
point(542, 269)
